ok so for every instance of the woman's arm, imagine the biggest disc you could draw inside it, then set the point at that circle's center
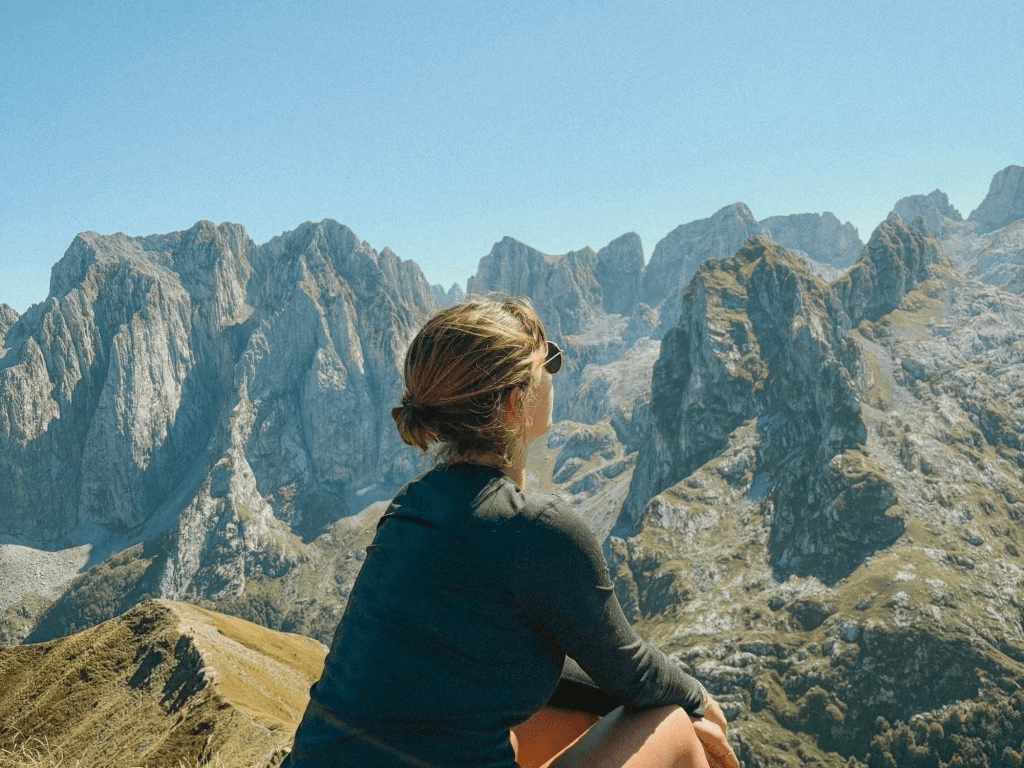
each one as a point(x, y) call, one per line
point(563, 584)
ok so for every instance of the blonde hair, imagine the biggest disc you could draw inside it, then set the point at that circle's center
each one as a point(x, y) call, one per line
point(459, 372)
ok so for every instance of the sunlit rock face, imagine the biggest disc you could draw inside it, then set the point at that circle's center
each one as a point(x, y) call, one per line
point(678, 255)
point(619, 270)
point(762, 340)
point(935, 210)
point(998, 258)
point(896, 260)
point(563, 288)
point(821, 236)
point(199, 385)
point(8, 317)
point(1004, 202)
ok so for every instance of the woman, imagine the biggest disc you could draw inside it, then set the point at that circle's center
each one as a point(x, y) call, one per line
point(475, 590)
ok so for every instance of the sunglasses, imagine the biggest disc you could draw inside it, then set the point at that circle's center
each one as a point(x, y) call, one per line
point(553, 362)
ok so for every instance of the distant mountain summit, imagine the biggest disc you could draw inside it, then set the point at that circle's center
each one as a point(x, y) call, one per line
point(820, 236)
point(564, 287)
point(934, 209)
point(678, 255)
point(444, 298)
point(8, 317)
point(1004, 202)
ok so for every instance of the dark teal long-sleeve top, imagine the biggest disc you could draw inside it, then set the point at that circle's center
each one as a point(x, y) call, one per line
point(470, 598)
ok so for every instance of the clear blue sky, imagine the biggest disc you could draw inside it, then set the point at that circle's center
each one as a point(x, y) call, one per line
point(437, 128)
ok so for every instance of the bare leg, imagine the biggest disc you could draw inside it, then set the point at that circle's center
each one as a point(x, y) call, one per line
point(547, 733)
point(652, 738)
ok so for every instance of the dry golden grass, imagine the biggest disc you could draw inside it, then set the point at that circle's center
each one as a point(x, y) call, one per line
point(39, 753)
point(167, 685)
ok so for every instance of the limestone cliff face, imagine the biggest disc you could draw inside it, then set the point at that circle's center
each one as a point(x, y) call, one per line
point(8, 317)
point(934, 209)
point(676, 258)
point(897, 259)
point(763, 340)
point(620, 265)
point(197, 384)
point(1004, 202)
point(820, 236)
point(999, 258)
point(564, 288)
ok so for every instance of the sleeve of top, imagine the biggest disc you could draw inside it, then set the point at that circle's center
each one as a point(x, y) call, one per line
point(562, 584)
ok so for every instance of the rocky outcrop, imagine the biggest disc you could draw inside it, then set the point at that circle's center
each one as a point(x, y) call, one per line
point(999, 258)
point(1004, 202)
point(195, 384)
point(821, 236)
point(934, 209)
point(678, 255)
point(896, 260)
point(620, 265)
point(444, 298)
point(8, 317)
point(763, 339)
point(619, 391)
point(564, 288)
point(164, 684)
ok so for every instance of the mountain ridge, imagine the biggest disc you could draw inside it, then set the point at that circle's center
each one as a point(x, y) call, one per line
point(773, 432)
point(162, 683)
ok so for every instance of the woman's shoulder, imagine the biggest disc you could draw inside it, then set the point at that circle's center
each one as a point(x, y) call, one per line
point(552, 516)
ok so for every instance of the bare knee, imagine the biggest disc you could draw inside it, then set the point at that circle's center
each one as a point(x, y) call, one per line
point(662, 737)
point(672, 729)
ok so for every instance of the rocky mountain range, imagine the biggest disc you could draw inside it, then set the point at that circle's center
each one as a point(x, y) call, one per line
point(802, 453)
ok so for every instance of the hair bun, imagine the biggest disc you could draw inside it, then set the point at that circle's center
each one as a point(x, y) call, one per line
point(411, 419)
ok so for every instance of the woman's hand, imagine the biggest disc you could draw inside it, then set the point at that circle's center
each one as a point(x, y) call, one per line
point(711, 731)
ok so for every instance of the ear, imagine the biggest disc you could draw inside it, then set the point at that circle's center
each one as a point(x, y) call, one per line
point(512, 408)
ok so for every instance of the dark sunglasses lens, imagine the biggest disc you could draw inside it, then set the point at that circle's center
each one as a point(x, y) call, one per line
point(554, 362)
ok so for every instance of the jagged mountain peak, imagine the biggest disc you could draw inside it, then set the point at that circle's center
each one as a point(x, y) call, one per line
point(934, 208)
point(564, 287)
point(1004, 202)
point(160, 359)
point(620, 266)
point(678, 255)
point(445, 298)
point(821, 236)
point(897, 258)
point(755, 329)
point(8, 317)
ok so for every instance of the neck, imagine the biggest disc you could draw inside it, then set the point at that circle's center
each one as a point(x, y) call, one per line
point(515, 470)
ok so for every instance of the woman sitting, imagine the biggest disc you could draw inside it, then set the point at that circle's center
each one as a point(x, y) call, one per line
point(475, 590)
